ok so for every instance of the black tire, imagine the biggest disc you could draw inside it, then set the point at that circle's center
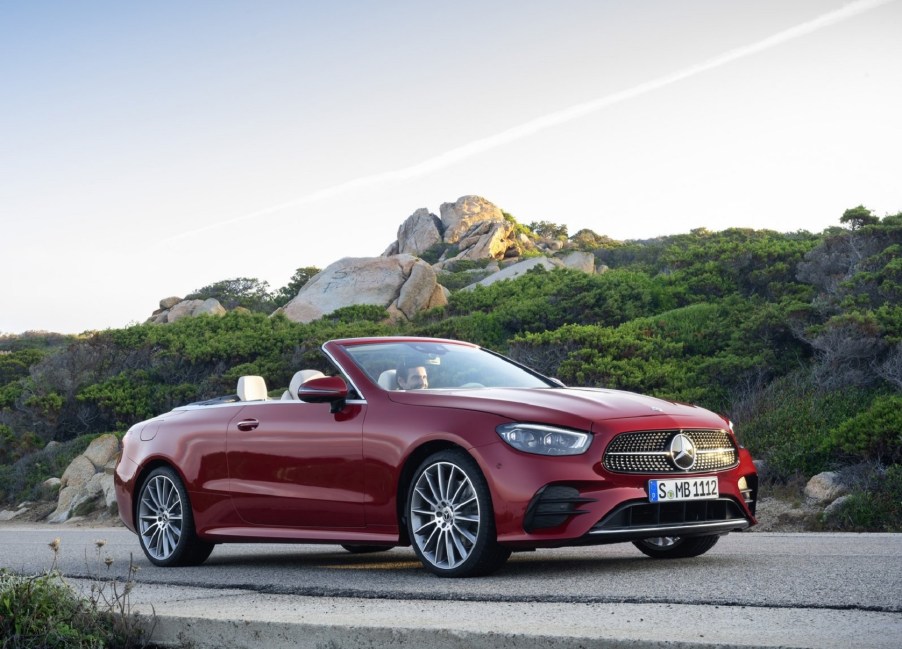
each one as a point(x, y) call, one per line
point(365, 549)
point(165, 522)
point(676, 547)
point(450, 519)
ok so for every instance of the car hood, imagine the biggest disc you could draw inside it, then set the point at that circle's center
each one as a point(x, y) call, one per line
point(575, 407)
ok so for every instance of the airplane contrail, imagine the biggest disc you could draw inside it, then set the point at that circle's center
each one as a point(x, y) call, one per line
point(557, 118)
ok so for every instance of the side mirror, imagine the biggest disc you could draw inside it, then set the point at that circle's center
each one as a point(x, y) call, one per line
point(323, 390)
point(327, 389)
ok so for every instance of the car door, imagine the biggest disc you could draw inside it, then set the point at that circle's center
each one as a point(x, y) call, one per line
point(295, 464)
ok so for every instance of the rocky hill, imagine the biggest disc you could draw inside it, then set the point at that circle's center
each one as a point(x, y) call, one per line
point(471, 229)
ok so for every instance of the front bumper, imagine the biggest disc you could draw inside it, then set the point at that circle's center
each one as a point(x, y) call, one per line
point(641, 519)
point(569, 501)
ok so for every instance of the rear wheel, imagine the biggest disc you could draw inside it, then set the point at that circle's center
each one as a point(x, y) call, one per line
point(450, 518)
point(166, 523)
point(676, 547)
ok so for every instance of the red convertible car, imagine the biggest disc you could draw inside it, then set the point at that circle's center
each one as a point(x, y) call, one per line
point(439, 444)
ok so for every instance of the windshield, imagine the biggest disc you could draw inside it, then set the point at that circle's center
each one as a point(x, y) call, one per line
point(446, 366)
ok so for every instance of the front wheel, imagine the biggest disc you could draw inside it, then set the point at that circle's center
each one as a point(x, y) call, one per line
point(166, 522)
point(676, 547)
point(450, 518)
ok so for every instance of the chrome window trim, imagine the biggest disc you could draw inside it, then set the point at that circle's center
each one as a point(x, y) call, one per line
point(338, 366)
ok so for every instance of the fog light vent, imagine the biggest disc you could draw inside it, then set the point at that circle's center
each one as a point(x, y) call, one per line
point(552, 506)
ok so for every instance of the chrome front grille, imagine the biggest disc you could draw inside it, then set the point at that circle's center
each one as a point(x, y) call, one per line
point(650, 451)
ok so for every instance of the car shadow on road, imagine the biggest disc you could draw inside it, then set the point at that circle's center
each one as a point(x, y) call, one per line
point(403, 561)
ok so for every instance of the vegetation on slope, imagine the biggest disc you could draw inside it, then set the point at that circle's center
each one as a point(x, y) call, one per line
point(797, 337)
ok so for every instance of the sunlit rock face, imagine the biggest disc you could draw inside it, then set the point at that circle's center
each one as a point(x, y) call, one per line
point(419, 232)
point(175, 308)
point(403, 284)
point(459, 217)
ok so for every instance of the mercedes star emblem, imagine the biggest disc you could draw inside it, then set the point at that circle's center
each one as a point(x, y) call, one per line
point(682, 452)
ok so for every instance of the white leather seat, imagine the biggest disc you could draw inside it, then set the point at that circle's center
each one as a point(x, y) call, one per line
point(300, 377)
point(387, 380)
point(252, 388)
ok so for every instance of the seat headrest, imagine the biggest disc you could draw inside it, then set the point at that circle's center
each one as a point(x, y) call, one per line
point(252, 388)
point(387, 380)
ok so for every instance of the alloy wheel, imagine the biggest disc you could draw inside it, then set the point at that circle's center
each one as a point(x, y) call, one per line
point(663, 542)
point(160, 517)
point(445, 515)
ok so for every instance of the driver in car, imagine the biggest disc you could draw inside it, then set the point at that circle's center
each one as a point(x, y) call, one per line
point(412, 377)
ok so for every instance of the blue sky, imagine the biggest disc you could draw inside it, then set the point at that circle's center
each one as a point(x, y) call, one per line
point(149, 149)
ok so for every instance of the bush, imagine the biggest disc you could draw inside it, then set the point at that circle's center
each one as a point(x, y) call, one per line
point(358, 313)
point(876, 509)
point(785, 422)
point(874, 433)
point(434, 252)
point(13, 447)
point(45, 612)
point(549, 230)
point(22, 480)
point(300, 278)
point(457, 279)
point(246, 292)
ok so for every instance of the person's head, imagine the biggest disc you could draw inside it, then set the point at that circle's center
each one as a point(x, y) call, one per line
point(412, 376)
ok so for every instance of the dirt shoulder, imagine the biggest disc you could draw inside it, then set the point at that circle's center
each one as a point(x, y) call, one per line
point(37, 513)
point(777, 515)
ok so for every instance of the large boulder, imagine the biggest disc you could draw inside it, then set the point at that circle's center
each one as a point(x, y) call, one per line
point(579, 260)
point(826, 487)
point(173, 308)
point(463, 214)
point(192, 308)
point(401, 283)
point(516, 270)
point(486, 240)
point(102, 450)
point(474, 227)
point(417, 234)
point(88, 479)
point(419, 291)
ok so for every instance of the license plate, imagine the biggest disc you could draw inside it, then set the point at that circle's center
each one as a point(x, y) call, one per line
point(682, 489)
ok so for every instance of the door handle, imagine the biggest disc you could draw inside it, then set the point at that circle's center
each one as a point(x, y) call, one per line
point(248, 424)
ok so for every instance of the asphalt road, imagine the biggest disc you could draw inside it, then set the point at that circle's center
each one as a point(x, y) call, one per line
point(752, 589)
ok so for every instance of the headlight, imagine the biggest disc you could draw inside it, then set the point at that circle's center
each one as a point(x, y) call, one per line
point(544, 440)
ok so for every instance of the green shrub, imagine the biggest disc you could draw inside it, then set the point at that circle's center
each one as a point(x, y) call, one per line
point(22, 480)
point(454, 281)
point(247, 292)
point(549, 230)
point(45, 612)
point(700, 353)
point(874, 433)
point(785, 423)
point(358, 313)
point(519, 228)
point(878, 509)
point(42, 612)
point(13, 447)
point(433, 253)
